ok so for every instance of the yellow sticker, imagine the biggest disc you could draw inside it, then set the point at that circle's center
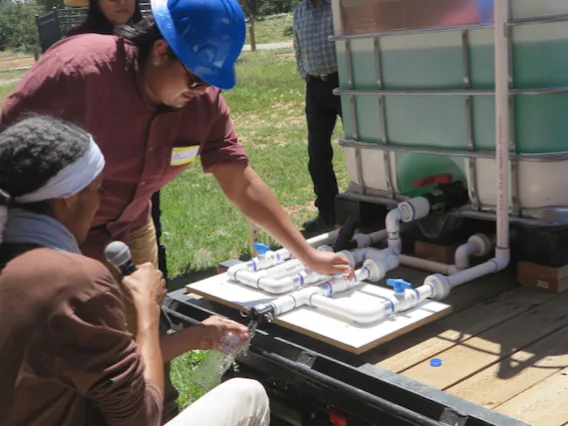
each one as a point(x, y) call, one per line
point(183, 155)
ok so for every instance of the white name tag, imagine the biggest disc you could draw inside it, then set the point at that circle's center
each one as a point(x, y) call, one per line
point(183, 155)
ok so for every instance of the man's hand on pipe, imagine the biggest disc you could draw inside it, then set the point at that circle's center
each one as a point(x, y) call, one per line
point(242, 185)
point(327, 263)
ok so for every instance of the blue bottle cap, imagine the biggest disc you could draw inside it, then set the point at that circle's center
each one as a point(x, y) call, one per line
point(261, 248)
point(435, 362)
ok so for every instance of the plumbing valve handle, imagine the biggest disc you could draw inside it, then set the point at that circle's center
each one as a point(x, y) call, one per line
point(261, 248)
point(399, 285)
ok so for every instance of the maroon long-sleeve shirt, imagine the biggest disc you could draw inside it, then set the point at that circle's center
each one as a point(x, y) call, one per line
point(95, 81)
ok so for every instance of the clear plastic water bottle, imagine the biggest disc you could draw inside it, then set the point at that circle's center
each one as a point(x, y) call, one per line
point(217, 362)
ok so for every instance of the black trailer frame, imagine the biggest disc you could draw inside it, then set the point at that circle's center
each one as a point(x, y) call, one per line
point(312, 383)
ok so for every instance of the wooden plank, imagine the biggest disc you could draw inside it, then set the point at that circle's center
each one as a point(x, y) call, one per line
point(545, 404)
point(462, 298)
point(480, 352)
point(514, 375)
point(336, 331)
point(456, 329)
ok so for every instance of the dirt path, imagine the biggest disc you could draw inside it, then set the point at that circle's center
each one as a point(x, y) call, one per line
point(9, 81)
point(15, 62)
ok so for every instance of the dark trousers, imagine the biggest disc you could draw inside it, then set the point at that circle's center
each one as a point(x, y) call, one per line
point(156, 217)
point(171, 393)
point(322, 110)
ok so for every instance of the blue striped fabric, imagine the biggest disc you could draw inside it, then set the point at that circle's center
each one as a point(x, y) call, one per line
point(315, 53)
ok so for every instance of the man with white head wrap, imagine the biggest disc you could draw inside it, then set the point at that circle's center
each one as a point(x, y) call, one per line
point(67, 356)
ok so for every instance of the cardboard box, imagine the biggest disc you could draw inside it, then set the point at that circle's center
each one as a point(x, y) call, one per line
point(544, 278)
point(435, 252)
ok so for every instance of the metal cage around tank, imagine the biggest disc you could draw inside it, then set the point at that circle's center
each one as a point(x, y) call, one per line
point(372, 35)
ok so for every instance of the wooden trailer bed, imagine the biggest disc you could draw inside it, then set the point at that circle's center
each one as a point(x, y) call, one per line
point(503, 346)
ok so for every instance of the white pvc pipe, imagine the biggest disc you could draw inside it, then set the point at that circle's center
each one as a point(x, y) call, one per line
point(477, 245)
point(360, 314)
point(367, 240)
point(463, 253)
point(473, 273)
point(358, 256)
point(281, 270)
point(392, 222)
point(278, 286)
point(336, 284)
point(367, 314)
point(427, 265)
point(502, 136)
point(326, 238)
point(297, 299)
point(272, 258)
point(502, 130)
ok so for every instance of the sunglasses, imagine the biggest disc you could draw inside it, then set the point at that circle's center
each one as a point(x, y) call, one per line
point(193, 81)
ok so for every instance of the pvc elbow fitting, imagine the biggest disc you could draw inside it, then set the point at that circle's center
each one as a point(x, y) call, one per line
point(463, 254)
point(377, 255)
point(414, 209)
point(231, 271)
point(477, 245)
point(363, 240)
point(392, 221)
point(482, 244)
point(502, 258)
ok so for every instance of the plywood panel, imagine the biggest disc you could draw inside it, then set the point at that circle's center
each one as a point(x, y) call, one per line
point(456, 329)
point(514, 375)
point(480, 352)
point(332, 330)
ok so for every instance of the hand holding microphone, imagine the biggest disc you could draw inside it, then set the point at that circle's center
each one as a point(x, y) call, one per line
point(145, 284)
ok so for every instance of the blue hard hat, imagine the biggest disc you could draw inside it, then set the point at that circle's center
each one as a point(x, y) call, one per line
point(206, 35)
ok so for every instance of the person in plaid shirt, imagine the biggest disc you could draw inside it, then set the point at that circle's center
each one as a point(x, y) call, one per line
point(317, 64)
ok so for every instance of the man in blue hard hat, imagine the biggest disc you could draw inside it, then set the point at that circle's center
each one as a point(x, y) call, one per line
point(150, 97)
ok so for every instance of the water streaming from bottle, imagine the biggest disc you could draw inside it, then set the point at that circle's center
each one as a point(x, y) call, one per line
point(216, 362)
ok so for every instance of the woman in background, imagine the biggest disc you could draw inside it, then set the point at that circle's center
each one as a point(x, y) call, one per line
point(104, 15)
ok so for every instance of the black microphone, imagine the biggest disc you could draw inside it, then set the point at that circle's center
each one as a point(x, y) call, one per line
point(118, 254)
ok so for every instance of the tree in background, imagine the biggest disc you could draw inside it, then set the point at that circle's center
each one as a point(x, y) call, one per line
point(17, 24)
point(18, 29)
point(252, 9)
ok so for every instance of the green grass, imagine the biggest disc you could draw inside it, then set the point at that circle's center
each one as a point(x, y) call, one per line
point(10, 75)
point(201, 227)
point(272, 30)
point(5, 90)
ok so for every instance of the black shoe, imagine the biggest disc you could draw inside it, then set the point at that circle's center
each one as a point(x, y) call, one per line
point(318, 225)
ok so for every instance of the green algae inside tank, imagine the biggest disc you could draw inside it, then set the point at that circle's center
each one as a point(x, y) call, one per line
point(440, 122)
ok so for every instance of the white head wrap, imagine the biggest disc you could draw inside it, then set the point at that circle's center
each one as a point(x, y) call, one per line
point(69, 181)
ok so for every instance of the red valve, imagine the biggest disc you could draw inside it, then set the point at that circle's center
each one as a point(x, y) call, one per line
point(439, 178)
